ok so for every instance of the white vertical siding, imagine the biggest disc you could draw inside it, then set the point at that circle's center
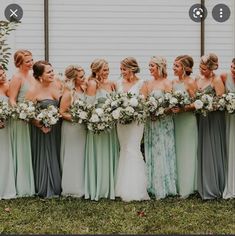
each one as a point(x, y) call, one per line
point(30, 33)
point(83, 30)
point(219, 37)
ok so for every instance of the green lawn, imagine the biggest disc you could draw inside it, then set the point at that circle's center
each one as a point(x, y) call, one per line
point(79, 216)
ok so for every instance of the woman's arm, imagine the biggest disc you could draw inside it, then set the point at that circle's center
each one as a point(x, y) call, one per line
point(14, 88)
point(65, 104)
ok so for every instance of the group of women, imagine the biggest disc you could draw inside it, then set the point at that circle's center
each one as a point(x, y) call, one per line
point(183, 153)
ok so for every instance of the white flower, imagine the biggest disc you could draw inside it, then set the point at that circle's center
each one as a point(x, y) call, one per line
point(99, 111)
point(94, 118)
point(130, 109)
point(116, 113)
point(173, 101)
point(198, 104)
point(22, 116)
point(133, 102)
point(83, 115)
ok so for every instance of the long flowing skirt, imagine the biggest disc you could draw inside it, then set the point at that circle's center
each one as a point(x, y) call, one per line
point(211, 155)
point(101, 158)
point(132, 175)
point(7, 177)
point(160, 157)
point(73, 137)
point(186, 138)
point(229, 191)
point(22, 158)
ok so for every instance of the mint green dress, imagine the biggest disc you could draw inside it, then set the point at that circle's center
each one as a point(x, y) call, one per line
point(159, 145)
point(21, 152)
point(73, 137)
point(229, 191)
point(7, 176)
point(101, 160)
point(186, 136)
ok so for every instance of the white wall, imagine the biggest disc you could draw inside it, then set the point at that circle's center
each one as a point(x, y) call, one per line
point(29, 33)
point(83, 30)
point(220, 37)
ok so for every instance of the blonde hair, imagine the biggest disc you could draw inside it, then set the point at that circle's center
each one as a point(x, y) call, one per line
point(187, 63)
point(19, 57)
point(96, 66)
point(131, 63)
point(161, 64)
point(210, 61)
point(71, 72)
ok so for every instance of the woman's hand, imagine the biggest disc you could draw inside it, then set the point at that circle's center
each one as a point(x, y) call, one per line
point(45, 130)
point(176, 110)
point(2, 124)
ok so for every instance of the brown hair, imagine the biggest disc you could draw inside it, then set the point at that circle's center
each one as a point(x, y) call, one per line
point(19, 57)
point(186, 62)
point(210, 61)
point(233, 61)
point(39, 68)
point(1, 67)
point(71, 72)
point(131, 63)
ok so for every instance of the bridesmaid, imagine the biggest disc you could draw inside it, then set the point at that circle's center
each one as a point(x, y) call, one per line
point(185, 128)
point(73, 135)
point(7, 178)
point(229, 80)
point(21, 82)
point(45, 140)
point(211, 134)
point(159, 139)
point(102, 150)
point(131, 176)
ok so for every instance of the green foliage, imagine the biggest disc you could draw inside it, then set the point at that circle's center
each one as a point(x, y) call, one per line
point(79, 216)
point(5, 28)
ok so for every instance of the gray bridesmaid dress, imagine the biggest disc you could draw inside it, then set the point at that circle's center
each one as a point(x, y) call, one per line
point(46, 156)
point(211, 153)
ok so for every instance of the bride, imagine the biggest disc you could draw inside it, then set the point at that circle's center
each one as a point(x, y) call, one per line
point(131, 175)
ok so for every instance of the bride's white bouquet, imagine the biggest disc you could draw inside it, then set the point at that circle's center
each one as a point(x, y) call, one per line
point(48, 116)
point(79, 111)
point(24, 110)
point(204, 103)
point(5, 110)
point(127, 107)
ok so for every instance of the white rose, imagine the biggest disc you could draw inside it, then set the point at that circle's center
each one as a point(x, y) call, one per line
point(173, 101)
point(130, 110)
point(83, 115)
point(198, 104)
point(22, 116)
point(99, 111)
point(133, 102)
point(116, 114)
point(161, 111)
point(94, 118)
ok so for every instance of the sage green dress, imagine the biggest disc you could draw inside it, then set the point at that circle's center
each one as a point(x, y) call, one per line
point(7, 176)
point(186, 136)
point(229, 191)
point(21, 152)
point(101, 160)
point(73, 137)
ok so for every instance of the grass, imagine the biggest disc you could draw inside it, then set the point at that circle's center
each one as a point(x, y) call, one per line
point(79, 216)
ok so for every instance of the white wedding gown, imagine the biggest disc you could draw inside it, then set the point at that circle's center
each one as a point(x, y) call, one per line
point(131, 175)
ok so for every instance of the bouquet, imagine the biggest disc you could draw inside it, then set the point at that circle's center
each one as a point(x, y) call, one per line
point(5, 110)
point(225, 102)
point(177, 98)
point(100, 118)
point(24, 110)
point(79, 111)
point(127, 107)
point(156, 106)
point(204, 103)
point(48, 116)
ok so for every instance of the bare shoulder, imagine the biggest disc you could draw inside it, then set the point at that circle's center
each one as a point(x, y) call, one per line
point(223, 76)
